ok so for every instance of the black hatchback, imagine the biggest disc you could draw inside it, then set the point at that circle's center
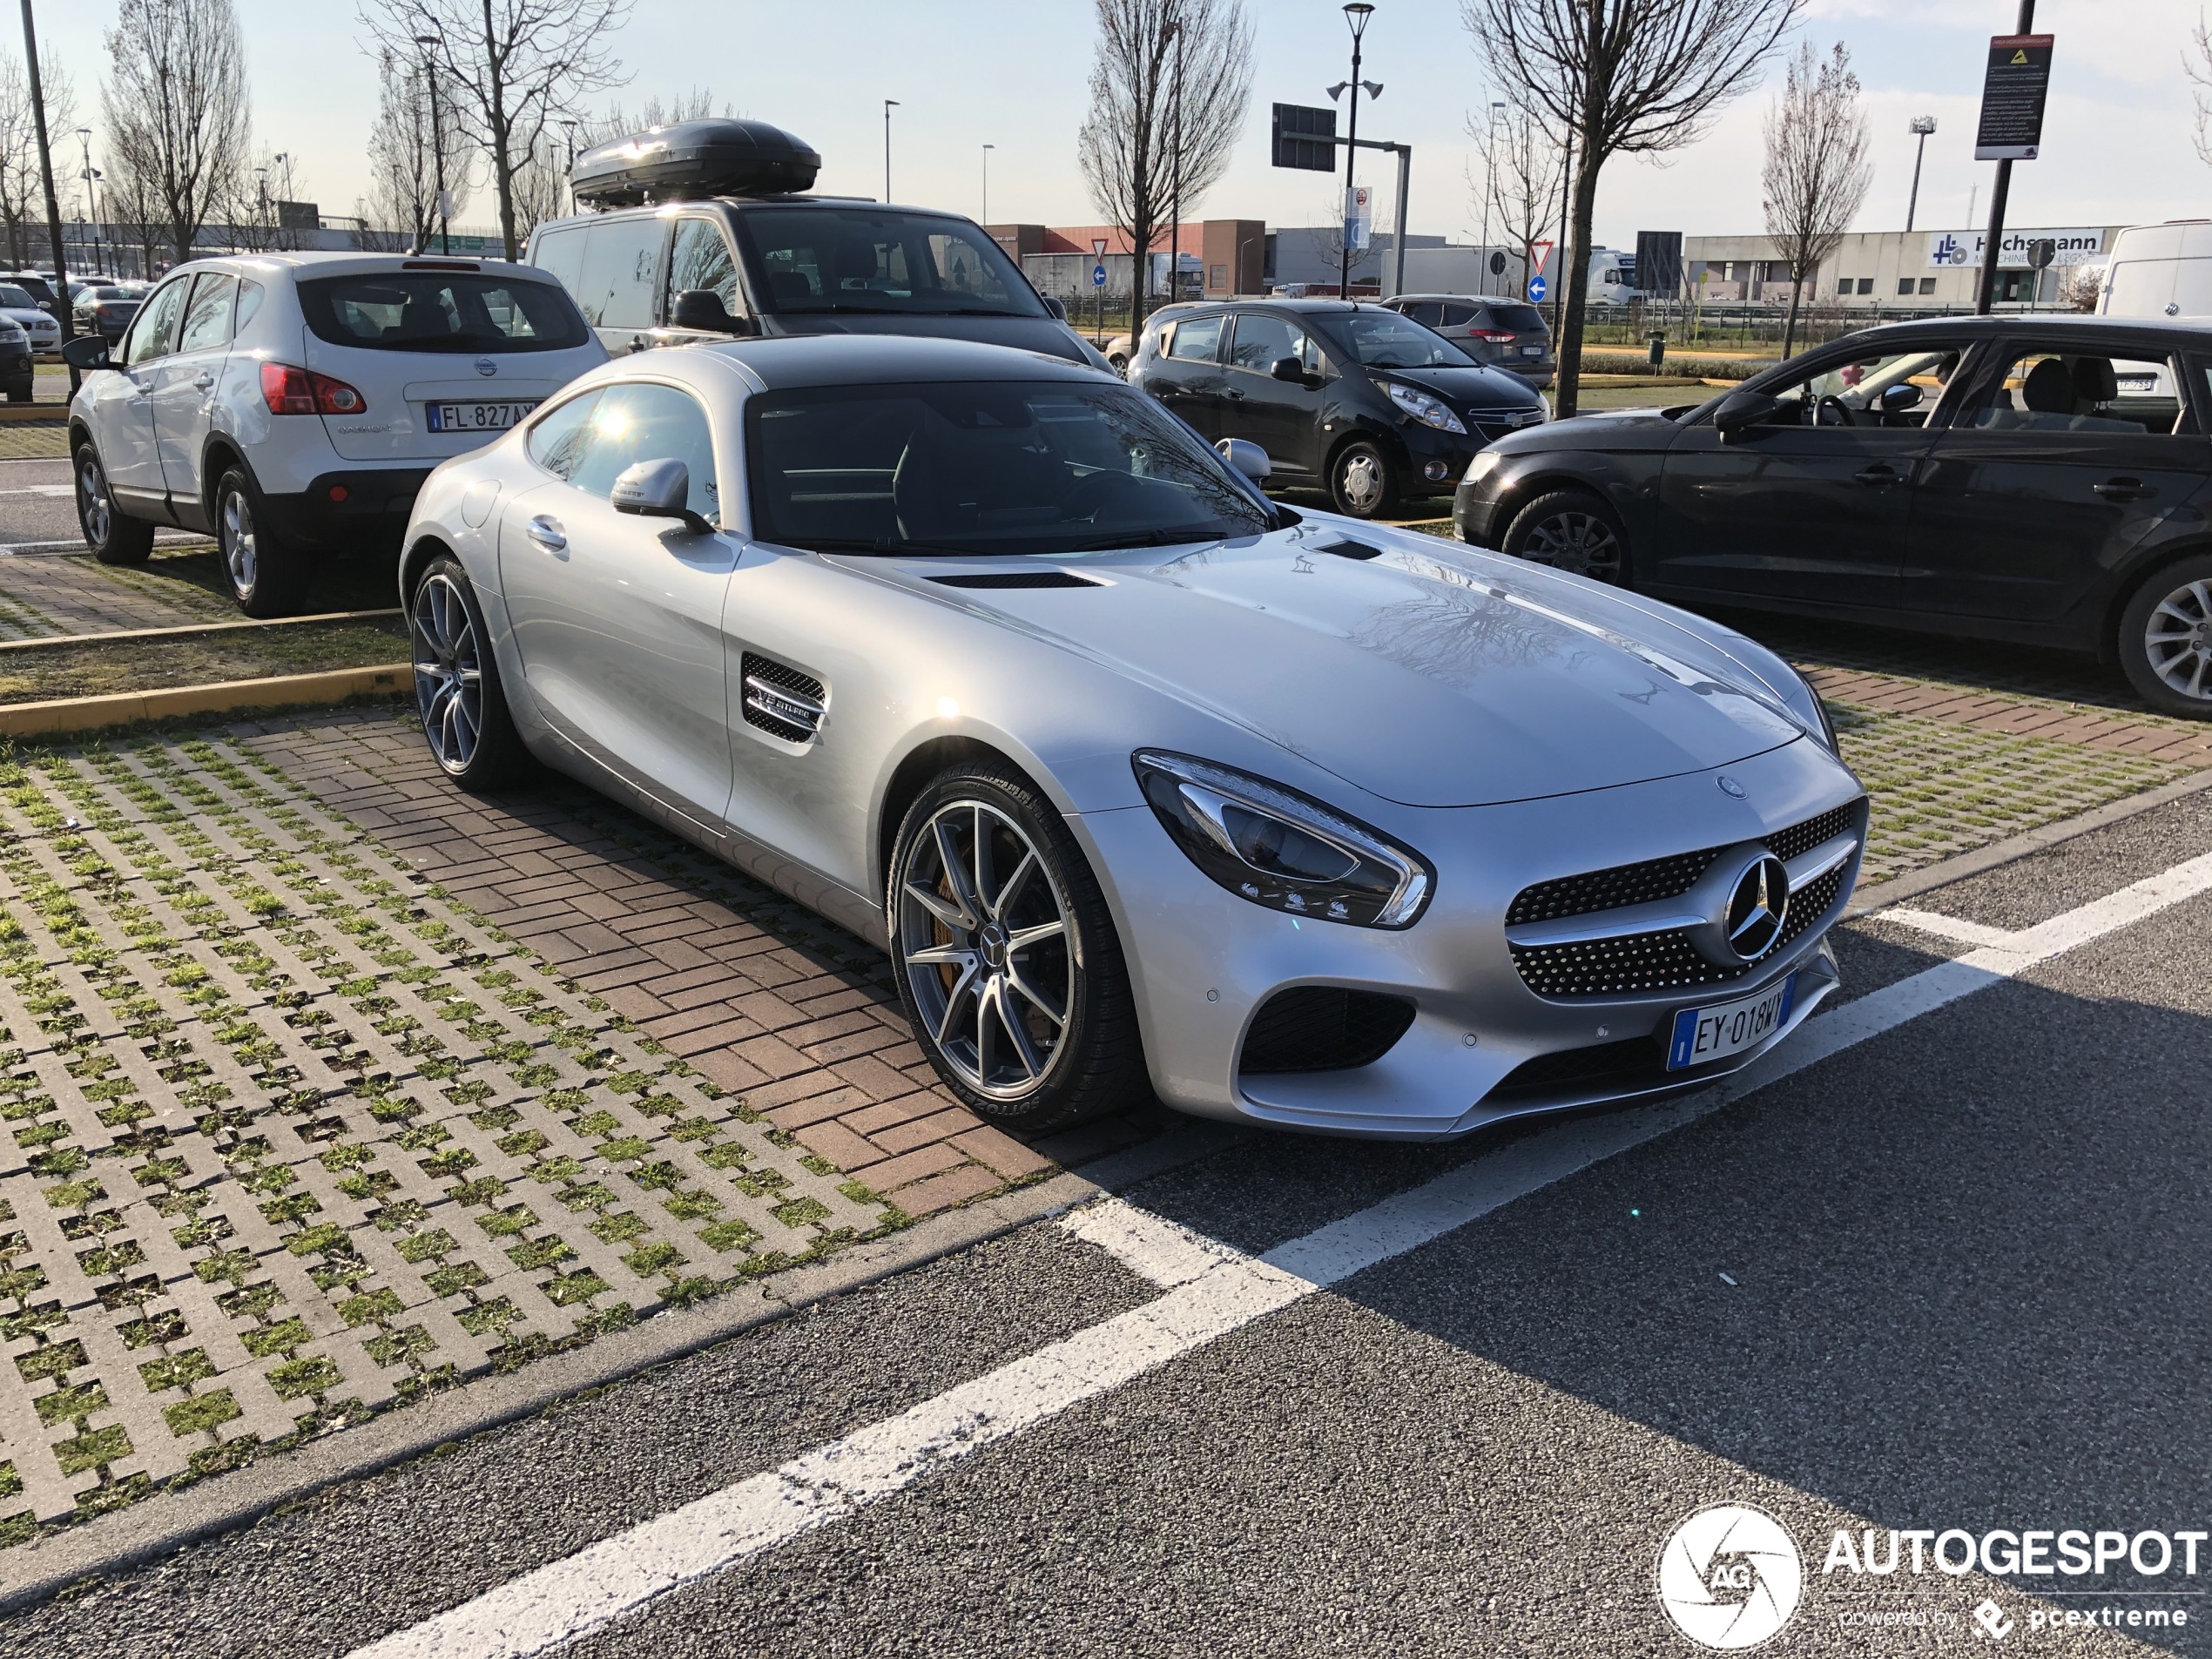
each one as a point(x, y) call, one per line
point(2032, 478)
point(1353, 398)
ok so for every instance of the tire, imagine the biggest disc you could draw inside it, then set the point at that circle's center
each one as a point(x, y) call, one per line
point(457, 689)
point(264, 576)
point(2165, 638)
point(953, 946)
point(1571, 530)
point(1119, 362)
point(1362, 482)
point(113, 538)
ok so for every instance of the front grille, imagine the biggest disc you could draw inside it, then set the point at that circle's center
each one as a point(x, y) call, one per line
point(1324, 1028)
point(1626, 884)
point(1803, 837)
point(1624, 967)
point(780, 700)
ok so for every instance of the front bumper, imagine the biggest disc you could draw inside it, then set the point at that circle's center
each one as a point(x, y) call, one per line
point(1204, 963)
point(357, 510)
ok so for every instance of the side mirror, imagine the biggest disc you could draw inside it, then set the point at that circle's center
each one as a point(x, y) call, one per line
point(1058, 309)
point(1247, 457)
point(1899, 398)
point(657, 489)
point(702, 310)
point(1288, 368)
point(85, 351)
point(1740, 409)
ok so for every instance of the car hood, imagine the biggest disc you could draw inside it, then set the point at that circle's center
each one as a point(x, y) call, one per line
point(1429, 674)
point(1475, 389)
point(1025, 334)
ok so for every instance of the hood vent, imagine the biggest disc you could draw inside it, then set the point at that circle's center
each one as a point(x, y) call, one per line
point(781, 701)
point(1348, 549)
point(1016, 579)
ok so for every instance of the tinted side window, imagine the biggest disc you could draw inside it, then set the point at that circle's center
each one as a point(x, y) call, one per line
point(559, 253)
point(1263, 340)
point(153, 331)
point(1196, 339)
point(700, 257)
point(556, 443)
point(207, 318)
point(637, 423)
point(620, 261)
point(1457, 316)
point(1428, 313)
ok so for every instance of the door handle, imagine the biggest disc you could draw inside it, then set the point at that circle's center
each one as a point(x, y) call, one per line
point(204, 380)
point(547, 533)
point(1237, 395)
point(1879, 472)
point(2124, 489)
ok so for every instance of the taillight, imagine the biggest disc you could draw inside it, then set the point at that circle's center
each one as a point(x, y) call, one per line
point(287, 390)
point(1493, 336)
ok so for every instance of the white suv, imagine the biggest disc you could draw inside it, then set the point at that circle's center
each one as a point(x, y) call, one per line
point(291, 404)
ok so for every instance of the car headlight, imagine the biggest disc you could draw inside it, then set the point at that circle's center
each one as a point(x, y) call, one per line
point(1485, 462)
point(1282, 850)
point(1429, 411)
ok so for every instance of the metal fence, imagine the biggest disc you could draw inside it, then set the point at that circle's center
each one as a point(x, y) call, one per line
point(1752, 327)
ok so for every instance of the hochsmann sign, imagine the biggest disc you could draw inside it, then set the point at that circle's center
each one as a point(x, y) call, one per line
point(1965, 247)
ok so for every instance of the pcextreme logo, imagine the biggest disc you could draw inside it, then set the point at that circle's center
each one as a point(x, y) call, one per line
point(1730, 1576)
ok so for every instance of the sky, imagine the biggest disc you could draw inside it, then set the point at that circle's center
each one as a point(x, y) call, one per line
point(2118, 137)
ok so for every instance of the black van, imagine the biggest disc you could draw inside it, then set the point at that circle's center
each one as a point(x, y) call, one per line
point(703, 235)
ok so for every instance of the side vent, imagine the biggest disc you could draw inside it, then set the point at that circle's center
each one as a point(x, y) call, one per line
point(782, 701)
point(1016, 579)
point(1348, 549)
point(1322, 1028)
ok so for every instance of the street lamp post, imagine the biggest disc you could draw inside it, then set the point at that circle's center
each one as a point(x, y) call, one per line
point(889, 104)
point(986, 220)
point(1490, 181)
point(64, 312)
point(437, 143)
point(1921, 126)
point(1356, 14)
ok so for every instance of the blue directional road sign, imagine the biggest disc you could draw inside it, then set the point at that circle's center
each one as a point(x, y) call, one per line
point(1097, 276)
point(1538, 287)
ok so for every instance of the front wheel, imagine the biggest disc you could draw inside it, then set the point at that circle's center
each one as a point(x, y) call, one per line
point(2165, 643)
point(1571, 530)
point(1006, 958)
point(264, 576)
point(1362, 482)
point(457, 692)
point(113, 538)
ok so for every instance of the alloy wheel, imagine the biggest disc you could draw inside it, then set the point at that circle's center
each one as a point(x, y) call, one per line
point(1361, 481)
point(1579, 543)
point(241, 558)
point(449, 672)
point(93, 506)
point(2177, 638)
point(983, 943)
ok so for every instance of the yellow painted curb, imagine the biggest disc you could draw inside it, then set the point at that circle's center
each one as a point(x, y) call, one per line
point(34, 414)
point(68, 714)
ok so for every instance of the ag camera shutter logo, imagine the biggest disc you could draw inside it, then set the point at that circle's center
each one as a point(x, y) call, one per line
point(1730, 1576)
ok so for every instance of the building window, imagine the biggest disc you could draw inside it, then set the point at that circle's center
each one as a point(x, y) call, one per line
point(1844, 286)
point(1927, 285)
point(1903, 287)
point(1218, 278)
point(1866, 285)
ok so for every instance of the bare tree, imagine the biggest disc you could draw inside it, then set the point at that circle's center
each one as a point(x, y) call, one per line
point(403, 155)
point(175, 104)
point(541, 186)
point(1816, 175)
point(134, 209)
point(515, 63)
point(2081, 287)
point(616, 119)
point(22, 191)
point(1622, 77)
point(2197, 61)
point(1167, 92)
point(1521, 166)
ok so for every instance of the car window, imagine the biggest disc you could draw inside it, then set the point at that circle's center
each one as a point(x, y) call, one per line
point(2051, 389)
point(1049, 466)
point(1520, 320)
point(16, 300)
point(440, 311)
point(1427, 313)
point(1454, 317)
point(700, 257)
point(1196, 340)
point(1264, 339)
point(636, 420)
point(1849, 393)
point(207, 318)
point(621, 258)
point(874, 260)
point(559, 253)
point(249, 301)
point(1385, 340)
point(153, 331)
point(556, 441)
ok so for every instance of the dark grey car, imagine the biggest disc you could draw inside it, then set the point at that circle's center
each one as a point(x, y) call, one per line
point(1496, 332)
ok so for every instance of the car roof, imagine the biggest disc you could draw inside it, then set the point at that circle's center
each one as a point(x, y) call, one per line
point(791, 361)
point(1461, 299)
point(2038, 321)
point(652, 210)
point(307, 263)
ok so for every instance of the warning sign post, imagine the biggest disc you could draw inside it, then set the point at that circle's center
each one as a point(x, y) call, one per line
point(2012, 90)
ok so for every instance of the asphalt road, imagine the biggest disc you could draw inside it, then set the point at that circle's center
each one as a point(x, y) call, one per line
point(1950, 1277)
point(38, 511)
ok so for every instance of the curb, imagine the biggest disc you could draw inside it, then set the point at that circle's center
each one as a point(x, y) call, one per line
point(126, 635)
point(169, 1522)
point(65, 715)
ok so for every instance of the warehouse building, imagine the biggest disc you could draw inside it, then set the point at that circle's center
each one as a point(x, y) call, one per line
point(1891, 270)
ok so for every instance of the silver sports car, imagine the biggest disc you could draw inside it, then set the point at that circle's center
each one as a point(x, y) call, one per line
point(1141, 778)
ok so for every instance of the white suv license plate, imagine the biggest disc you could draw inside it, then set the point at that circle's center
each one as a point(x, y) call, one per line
point(476, 417)
point(1703, 1035)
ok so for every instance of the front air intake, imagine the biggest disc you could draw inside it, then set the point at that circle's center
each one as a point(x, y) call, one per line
point(781, 701)
point(1322, 1028)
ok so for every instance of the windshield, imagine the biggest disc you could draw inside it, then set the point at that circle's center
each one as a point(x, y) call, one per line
point(16, 300)
point(1039, 467)
point(820, 260)
point(1385, 340)
point(439, 311)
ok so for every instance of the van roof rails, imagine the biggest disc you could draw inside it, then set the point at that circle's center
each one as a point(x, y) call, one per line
point(692, 159)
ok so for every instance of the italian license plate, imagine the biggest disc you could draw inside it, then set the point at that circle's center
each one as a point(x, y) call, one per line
point(476, 417)
point(1532, 351)
point(1702, 1035)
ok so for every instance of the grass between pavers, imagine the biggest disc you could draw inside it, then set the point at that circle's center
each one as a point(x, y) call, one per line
point(38, 443)
point(290, 1135)
point(150, 665)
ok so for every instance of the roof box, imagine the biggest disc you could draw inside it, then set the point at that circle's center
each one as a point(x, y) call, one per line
point(693, 159)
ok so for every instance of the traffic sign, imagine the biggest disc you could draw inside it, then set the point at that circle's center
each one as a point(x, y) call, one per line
point(2012, 90)
point(1538, 287)
point(1543, 253)
point(1097, 276)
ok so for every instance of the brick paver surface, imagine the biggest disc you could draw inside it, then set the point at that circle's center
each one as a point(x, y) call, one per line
point(45, 595)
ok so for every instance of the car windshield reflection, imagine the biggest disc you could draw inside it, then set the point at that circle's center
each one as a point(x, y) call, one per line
point(1385, 340)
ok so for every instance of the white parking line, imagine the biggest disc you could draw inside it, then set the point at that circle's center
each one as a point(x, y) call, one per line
point(564, 1599)
point(1943, 926)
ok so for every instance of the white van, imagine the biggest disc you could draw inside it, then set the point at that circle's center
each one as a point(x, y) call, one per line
point(2162, 271)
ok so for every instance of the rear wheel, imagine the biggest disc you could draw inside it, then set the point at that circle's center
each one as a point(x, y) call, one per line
point(2165, 642)
point(1362, 482)
point(113, 538)
point(265, 576)
point(1008, 962)
point(1571, 530)
point(457, 692)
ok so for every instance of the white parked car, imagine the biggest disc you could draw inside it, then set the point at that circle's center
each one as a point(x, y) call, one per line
point(19, 308)
point(291, 404)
